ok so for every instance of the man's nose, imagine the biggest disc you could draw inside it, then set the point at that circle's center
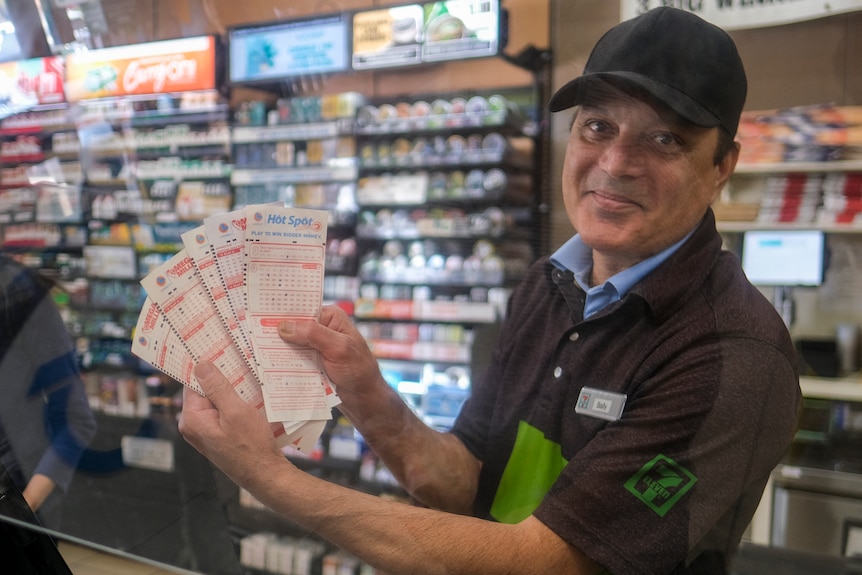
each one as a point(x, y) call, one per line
point(623, 157)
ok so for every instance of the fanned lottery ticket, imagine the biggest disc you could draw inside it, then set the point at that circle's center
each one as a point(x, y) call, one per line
point(176, 288)
point(284, 269)
point(200, 251)
point(226, 235)
point(156, 343)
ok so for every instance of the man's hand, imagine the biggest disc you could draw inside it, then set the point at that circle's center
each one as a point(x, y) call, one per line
point(347, 359)
point(225, 429)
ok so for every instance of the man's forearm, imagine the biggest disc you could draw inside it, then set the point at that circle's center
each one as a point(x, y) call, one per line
point(399, 538)
point(433, 467)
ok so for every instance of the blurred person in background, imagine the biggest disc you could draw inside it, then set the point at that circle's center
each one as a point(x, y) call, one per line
point(45, 418)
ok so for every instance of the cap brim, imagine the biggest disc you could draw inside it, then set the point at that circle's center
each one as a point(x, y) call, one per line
point(572, 94)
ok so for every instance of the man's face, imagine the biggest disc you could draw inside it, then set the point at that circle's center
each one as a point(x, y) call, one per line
point(636, 178)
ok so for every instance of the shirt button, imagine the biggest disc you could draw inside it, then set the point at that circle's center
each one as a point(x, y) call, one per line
point(574, 336)
point(558, 371)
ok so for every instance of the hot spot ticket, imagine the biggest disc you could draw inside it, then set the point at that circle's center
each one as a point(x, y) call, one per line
point(284, 267)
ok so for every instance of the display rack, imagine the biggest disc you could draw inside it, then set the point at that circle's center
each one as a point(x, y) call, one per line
point(302, 153)
point(447, 194)
point(748, 182)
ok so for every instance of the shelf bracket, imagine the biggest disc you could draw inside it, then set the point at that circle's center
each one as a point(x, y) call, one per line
point(530, 58)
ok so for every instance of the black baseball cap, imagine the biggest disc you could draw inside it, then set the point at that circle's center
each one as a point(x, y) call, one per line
point(685, 62)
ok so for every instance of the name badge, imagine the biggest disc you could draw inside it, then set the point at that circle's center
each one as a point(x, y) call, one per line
point(601, 404)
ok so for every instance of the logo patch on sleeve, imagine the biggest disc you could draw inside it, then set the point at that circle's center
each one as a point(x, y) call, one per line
point(661, 483)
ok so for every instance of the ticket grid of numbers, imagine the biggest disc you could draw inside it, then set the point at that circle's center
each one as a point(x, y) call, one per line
point(221, 298)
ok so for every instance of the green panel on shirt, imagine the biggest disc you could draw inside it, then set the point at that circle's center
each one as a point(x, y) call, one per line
point(533, 467)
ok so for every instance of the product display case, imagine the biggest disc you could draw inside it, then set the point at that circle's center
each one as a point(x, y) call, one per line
point(302, 153)
point(448, 211)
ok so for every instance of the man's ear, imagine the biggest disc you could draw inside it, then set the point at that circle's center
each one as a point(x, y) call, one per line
point(724, 169)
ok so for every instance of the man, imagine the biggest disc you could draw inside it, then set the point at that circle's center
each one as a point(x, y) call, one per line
point(641, 390)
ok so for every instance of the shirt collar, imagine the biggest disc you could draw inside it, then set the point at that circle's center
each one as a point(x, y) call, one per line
point(576, 257)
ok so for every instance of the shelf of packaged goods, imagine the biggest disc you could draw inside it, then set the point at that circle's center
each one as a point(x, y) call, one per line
point(35, 129)
point(739, 227)
point(749, 183)
point(308, 174)
point(437, 278)
point(425, 351)
point(466, 160)
point(426, 310)
point(185, 151)
point(291, 132)
point(447, 123)
point(798, 167)
point(23, 159)
point(165, 169)
point(843, 389)
point(204, 115)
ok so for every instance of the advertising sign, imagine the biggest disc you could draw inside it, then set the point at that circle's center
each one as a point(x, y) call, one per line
point(458, 29)
point(287, 49)
point(739, 14)
point(153, 68)
point(429, 32)
point(387, 38)
point(39, 80)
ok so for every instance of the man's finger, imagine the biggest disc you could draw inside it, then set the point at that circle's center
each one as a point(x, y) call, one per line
point(300, 332)
point(217, 388)
point(194, 400)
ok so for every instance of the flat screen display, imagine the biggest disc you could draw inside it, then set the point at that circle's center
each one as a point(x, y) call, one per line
point(428, 32)
point(457, 29)
point(784, 258)
point(270, 52)
point(387, 37)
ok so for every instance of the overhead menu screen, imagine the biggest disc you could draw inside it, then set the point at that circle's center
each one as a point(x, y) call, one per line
point(286, 49)
point(429, 32)
point(387, 38)
point(457, 29)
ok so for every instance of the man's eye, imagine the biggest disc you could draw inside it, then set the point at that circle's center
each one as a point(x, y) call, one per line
point(597, 126)
point(666, 139)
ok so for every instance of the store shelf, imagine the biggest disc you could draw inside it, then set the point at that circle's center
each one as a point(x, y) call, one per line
point(291, 132)
point(423, 310)
point(798, 167)
point(844, 389)
point(774, 186)
point(310, 174)
point(738, 227)
point(203, 115)
point(427, 351)
point(35, 129)
point(446, 123)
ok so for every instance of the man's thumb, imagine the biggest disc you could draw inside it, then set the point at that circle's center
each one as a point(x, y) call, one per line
point(213, 383)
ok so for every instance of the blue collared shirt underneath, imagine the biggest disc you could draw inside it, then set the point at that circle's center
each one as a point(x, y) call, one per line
point(575, 256)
